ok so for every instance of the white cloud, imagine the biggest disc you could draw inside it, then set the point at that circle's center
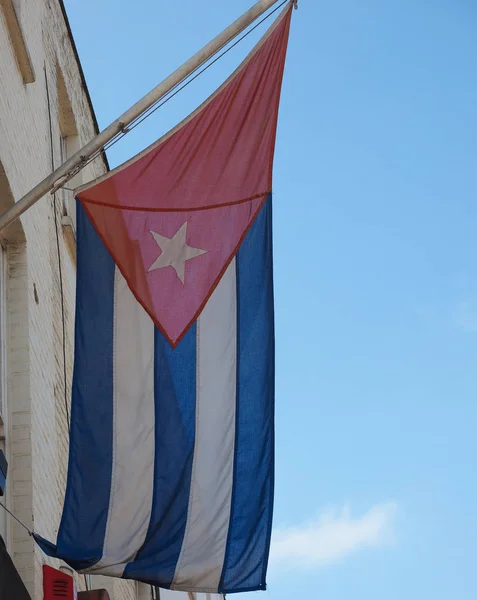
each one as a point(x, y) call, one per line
point(331, 537)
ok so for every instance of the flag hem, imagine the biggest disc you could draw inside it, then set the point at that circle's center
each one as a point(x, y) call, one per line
point(172, 209)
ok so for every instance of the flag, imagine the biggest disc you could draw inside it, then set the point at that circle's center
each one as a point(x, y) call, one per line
point(170, 477)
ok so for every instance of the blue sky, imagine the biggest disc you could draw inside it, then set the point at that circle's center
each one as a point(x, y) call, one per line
point(375, 275)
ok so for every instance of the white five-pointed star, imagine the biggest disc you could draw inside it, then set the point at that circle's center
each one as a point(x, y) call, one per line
point(174, 252)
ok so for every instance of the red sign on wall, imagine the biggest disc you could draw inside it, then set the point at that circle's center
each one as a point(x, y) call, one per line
point(57, 585)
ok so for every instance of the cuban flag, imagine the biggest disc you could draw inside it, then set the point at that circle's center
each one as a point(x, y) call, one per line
point(170, 478)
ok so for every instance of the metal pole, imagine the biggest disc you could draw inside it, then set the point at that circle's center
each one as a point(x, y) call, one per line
point(98, 142)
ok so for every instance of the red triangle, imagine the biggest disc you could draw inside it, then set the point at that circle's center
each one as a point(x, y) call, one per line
point(196, 191)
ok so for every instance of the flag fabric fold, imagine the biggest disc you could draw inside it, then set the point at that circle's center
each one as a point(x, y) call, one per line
point(170, 477)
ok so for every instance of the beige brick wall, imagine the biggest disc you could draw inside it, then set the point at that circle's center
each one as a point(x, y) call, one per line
point(37, 433)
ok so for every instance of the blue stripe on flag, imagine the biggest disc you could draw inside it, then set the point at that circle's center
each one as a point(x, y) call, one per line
point(252, 502)
point(175, 388)
point(85, 513)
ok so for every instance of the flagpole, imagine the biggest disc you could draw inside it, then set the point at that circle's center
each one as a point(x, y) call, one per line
point(67, 170)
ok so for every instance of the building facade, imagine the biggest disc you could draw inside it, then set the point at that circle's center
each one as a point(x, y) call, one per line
point(45, 116)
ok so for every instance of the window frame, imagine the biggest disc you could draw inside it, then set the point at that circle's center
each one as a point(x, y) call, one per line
point(20, 50)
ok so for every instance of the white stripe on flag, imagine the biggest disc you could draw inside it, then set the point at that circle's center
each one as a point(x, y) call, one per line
point(203, 548)
point(133, 432)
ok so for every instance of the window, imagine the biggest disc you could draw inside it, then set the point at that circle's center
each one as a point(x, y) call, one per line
point(69, 145)
point(11, 11)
